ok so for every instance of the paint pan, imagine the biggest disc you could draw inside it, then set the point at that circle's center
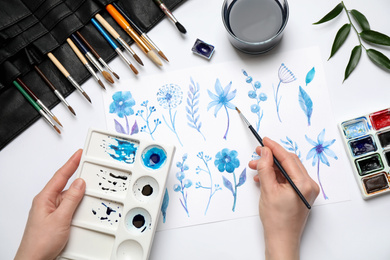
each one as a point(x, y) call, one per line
point(119, 213)
point(367, 141)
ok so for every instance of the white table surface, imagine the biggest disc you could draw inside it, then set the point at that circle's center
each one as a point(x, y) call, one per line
point(354, 229)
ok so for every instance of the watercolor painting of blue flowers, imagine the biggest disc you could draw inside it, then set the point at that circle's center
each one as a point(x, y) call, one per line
point(285, 76)
point(145, 113)
point(221, 99)
point(184, 183)
point(122, 106)
point(212, 187)
point(257, 96)
point(318, 153)
point(192, 107)
point(170, 97)
point(226, 160)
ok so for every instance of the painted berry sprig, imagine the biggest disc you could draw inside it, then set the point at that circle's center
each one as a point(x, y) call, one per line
point(366, 34)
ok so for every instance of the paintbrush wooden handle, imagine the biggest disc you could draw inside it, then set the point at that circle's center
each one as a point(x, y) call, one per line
point(58, 64)
point(107, 26)
point(88, 45)
point(77, 51)
point(43, 76)
point(27, 89)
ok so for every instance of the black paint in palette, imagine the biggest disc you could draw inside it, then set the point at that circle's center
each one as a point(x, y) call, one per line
point(367, 139)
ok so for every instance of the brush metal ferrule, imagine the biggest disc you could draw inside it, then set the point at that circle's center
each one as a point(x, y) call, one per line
point(149, 41)
point(168, 13)
point(46, 117)
point(39, 102)
point(75, 84)
point(60, 97)
point(120, 54)
point(125, 45)
point(106, 65)
point(93, 73)
point(94, 61)
point(244, 119)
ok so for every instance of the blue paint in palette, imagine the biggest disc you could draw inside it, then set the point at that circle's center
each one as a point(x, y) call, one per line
point(362, 145)
point(356, 128)
point(154, 157)
point(123, 151)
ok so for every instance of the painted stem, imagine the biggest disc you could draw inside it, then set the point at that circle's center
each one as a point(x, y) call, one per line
point(211, 187)
point(228, 122)
point(235, 192)
point(276, 100)
point(147, 122)
point(127, 125)
point(173, 126)
point(184, 198)
point(318, 176)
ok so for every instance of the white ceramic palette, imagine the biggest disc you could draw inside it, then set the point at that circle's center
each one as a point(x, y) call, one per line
point(118, 215)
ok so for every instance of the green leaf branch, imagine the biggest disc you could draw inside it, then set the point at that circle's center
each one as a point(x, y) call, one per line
point(366, 34)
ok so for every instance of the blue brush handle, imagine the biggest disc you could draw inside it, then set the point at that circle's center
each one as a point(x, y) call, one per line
point(79, 44)
point(103, 32)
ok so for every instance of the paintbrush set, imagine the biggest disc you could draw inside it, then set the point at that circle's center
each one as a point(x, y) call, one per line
point(90, 58)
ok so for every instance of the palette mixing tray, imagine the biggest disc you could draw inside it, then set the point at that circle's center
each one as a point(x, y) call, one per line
point(367, 140)
point(125, 183)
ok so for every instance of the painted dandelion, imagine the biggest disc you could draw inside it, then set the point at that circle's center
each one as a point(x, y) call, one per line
point(184, 183)
point(285, 76)
point(145, 114)
point(192, 107)
point(226, 160)
point(213, 188)
point(221, 99)
point(257, 96)
point(169, 97)
point(319, 153)
point(122, 106)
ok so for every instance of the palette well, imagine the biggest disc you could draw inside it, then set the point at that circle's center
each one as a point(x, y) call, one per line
point(125, 184)
point(367, 140)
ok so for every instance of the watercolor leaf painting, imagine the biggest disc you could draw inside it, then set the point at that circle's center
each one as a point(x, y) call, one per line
point(306, 103)
point(192, 107)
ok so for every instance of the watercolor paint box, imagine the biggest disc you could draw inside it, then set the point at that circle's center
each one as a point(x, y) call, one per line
point(367, 140)
point(125, 184)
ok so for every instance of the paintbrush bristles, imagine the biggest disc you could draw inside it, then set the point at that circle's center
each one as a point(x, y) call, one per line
point(101, 84)
point(107, 76)
point(180, 27)
point(243, 117)
point(56, 128)
point(56, 119)
point(133, 69)
point(162, 55)
point(138, 59)
point(71, 110)
point(87, 97)
point(153, 56)
point(116, 75)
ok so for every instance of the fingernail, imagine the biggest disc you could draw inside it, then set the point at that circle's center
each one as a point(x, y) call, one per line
point(78, 184)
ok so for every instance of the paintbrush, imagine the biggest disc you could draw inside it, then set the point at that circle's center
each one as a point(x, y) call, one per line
point(133, 34)
point(55, 90)
point(96, 54)
point(277, 163)
point(38, 101)
point(168, 13)
point(67, 75)
point(144, 36)
point(85, 62)
point(116, 35)
point(36, 106)
point(113, 45)
point(92, 59)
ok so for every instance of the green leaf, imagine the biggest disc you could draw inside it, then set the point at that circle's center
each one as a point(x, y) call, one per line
point(375, 37)
point(340, 38)
point(332, 14)
point(353, 61)
point(378, 58)
point(360, 19)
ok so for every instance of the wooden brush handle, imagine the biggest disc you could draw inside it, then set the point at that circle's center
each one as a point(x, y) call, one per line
point(58, 64)
point(88, 45)
point(77, 51)
point(48, 82)
point(27, 89)
point(107, 26)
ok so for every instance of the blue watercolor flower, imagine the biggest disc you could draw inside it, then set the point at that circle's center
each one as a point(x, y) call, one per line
point(169, 97)
point(285, 76)
point(319, 152)
point(212, 188)
point(226, 160)
point(184, 183)
point(258, 97)
point(122, 106)
point(221, 99)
